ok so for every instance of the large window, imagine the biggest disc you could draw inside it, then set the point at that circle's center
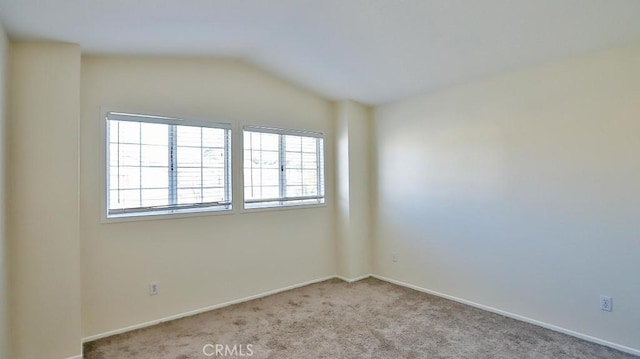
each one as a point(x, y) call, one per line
point(160, 165)
point(282, 168)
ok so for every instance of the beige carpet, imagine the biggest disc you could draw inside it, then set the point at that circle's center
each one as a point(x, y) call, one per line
point(334, 319)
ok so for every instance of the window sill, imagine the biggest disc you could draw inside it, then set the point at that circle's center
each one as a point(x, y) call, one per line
point(165, 216)
point(281, 208)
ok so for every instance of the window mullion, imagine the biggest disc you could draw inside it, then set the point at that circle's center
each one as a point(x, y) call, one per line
point(173, 170)
point(119, 187)
point(318, 169)
point(201, 166)
point(140, 163)
point(253, 189)
point(283, 173)
point(227, 166)
point(301, 169)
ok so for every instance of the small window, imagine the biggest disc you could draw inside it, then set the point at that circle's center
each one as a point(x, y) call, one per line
point(159, 165)
point(282, 168)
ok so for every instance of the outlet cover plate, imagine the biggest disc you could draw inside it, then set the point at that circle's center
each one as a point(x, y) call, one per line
point(605, 303)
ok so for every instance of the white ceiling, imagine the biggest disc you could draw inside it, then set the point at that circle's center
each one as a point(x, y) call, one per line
point(373, 51)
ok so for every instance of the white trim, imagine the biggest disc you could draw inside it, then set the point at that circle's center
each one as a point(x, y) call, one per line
point(147, 216)
point(282, 131)
point(202, 310)
point(281, 208)
point(179, 121)
point(352, 280)
point(514, 316)
point(75, 357)
point(261, 205)
point(103, 160)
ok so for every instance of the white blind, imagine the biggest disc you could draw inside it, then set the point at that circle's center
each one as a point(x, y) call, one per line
point(282, 168)
point(166, 165)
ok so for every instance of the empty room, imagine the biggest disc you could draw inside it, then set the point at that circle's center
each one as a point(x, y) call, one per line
point(319, 179)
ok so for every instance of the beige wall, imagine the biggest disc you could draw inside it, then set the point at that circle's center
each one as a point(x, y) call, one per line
point(353, 187)
point(4, 267)
point(198, 261)
point(43, 202)
point(521, 193)
point(518, 192)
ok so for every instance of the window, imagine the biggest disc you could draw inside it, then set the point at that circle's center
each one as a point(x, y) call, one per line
point(282, 168)
point(160, 165)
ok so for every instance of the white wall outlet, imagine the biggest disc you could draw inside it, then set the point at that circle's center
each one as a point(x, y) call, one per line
point(605, 303)
point(394, 257)
point(154, 288)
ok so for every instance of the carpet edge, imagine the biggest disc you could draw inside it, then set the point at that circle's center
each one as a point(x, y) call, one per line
point(201, 310)
point(589, 338)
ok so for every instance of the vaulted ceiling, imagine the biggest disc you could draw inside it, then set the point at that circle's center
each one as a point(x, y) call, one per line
point(372, 51)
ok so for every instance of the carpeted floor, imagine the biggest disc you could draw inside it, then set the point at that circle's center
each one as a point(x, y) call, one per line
point(334, 319)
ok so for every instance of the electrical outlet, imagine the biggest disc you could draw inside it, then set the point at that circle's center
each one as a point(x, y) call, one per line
point(394, 257)
point(605, 303)
point(154, 288)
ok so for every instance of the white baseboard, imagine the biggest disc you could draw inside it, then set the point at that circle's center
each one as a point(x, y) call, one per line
point(200, 310)
point(353, 279)
point(76, 357)
point(514, 316)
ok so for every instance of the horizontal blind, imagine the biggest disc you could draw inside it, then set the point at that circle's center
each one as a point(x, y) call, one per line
point(166, 165)
point(280, 131)
point(282, 167)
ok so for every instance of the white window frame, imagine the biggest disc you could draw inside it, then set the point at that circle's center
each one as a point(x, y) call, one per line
point(169, 212)
point(283, 202)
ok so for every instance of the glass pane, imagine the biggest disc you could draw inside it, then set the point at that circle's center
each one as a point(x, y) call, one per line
point(212, 157)
point(309, 160)
point(256, 159)
point(213, 137)
point(255, 139)
point(189, 157)
point(310, 177)
point(189, 177)
point(128, 155)
point(294, 159)
point(124, 198)
point(213, 177)
point(189, 136)
point(293, 143)
point(247, 158)
point(269, 159)
point(154, 134)
point(127, 132)
point(155, 177)
point(124, 177)
point(247, 141)
point(155, 197)
point(309, 144)
point(113, 155)
point(262, 166)
point(114, 130)
point(270, 142)
point(255, 178)
point(155, 155)
point(270, 177)
point(251, 193)
point(270, 192)
point(189, 195)
point(139, 163)
point(294, 191)
point(310, 191)
point(213, 195)
point(294, 177)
